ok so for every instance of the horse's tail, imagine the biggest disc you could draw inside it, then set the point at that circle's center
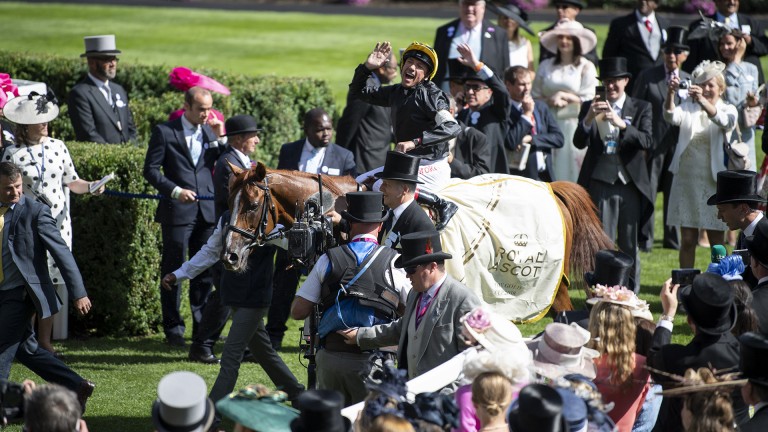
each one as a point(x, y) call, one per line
point(588, 234)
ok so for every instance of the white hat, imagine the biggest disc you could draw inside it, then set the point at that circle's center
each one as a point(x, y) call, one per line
point(587, 38)
point(621, 296)
point(490, 329)
point(182, 404)
point(707, 70)
point(30, 109)
point(560, 350)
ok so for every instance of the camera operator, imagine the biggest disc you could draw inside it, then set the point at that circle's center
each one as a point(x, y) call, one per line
point(52, 408)
point(354, 285)
point(757, 245)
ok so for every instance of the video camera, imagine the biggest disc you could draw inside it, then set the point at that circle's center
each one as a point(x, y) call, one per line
point(11, 401)
point(312, 232)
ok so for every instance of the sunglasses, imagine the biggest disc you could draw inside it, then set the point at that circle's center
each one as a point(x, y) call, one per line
point(107, 59)
point(411, 270)
point(675, 51)
point(474, 87)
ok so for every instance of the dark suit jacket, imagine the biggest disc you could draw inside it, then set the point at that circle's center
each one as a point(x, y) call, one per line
point(413, 219)
point(471, 155)
point(336, 157)
point(32, 232)
point(758, 422)
point(633, 142)
point(168, 150)
point(548, 136)
point(760, 305)
point(221, 174)
point(94, 120)
point(624, 40)
point(494, 48)
point(720, 352)
point(706, 49)
point(544, 54)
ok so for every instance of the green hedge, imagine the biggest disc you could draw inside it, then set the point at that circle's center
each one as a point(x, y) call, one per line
point(277, 103)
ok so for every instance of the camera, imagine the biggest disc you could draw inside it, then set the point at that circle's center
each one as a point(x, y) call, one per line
point(310, 236)
point(686, 84)
point(684, 277)
point(744, 254)
point(11, 400)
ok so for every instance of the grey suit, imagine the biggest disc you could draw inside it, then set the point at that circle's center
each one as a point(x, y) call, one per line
point(95, 120)
point(437, 338)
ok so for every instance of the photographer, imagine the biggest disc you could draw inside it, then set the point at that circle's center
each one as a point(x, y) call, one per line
point(354, 285)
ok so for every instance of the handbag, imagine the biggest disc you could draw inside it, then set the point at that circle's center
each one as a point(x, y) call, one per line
point(752, 115)
point(736, 152)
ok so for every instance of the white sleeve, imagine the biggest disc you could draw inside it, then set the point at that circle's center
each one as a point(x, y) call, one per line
point(310, 289)
point(207, 256)
point(399, 280)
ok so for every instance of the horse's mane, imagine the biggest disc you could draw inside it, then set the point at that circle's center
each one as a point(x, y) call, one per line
point(330, 185)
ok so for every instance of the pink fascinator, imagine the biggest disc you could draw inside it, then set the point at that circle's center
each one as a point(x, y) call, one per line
point(184, 79)
point(8, 91)
point(622, 296)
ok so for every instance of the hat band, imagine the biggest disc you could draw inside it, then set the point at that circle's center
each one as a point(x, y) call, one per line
point(558, 358)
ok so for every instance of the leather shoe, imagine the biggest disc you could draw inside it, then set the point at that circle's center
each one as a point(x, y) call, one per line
point(206, 358)
point(175, 340)
point(84, 392)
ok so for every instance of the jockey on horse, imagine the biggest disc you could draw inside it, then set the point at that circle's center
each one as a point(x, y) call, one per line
point(422, 123)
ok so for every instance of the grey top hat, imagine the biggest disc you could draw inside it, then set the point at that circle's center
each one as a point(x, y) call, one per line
point(103, 45)
point(182, 404)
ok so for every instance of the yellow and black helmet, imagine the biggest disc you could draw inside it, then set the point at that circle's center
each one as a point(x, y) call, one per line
point(424, 53)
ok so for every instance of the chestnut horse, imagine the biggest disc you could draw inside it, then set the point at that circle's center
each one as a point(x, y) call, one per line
point(261, 198)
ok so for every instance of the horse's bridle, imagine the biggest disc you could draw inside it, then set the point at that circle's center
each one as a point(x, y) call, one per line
point(259, 236)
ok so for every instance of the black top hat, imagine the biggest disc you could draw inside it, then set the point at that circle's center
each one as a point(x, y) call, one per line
point(514, 13)
point(538, 408)
point(365, 207)
point(400, 166)
point(754, 356)
point(709, 302)
point(456, 70)
point(735, 186)
point(677, 37)
point(420, 248)
point(577, 3)
point(757, 243)
point(320, 412)
point(613, 67)
point(611, 268)
point(241, 124)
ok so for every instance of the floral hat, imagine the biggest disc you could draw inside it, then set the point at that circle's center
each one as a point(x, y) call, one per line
point(490, 329)
point(621, 296)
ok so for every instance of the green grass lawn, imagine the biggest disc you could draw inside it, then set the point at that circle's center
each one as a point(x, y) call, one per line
point(127, 370)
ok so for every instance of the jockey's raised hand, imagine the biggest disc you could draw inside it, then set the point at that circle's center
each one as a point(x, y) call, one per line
point(468, 57)
point(379, 55)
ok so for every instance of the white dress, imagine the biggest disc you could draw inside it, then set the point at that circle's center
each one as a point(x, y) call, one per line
point(581, 80)
point(46, 169)
point(518, 52)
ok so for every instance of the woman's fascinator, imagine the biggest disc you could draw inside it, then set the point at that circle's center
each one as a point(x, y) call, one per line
point(707, 70)
point(8, 90)
point(184, 79)
point(730, 267)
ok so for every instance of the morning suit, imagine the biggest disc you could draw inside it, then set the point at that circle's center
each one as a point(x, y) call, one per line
point(437, 338)
point(185, 226)
point(719, 352)
point(471, 154)
point(760, 304)
point(336, 161)
point(96, 120)
point(619, 183)
point(221, 175)
point(627, 39)
point(707, 49)
point(545, 54)
point(651, 86)
point(365, 130)
point(29, 232)
point(545, 134)
point(758, 422)
point(494, 51)
point(413, 219)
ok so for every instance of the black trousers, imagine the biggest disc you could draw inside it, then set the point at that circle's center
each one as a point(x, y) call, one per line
point(285, 283)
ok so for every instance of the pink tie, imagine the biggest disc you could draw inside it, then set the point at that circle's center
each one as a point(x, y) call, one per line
point(649, 26)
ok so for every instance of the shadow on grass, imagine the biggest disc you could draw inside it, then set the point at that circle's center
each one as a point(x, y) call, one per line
point(121, 423)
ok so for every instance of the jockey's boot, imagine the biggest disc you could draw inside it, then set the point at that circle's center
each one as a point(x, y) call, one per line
point(444, 208)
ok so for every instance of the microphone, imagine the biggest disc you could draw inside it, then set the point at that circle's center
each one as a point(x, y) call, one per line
point(718, 253)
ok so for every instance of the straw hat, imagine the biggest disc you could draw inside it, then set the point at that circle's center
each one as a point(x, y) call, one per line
point(587, 38)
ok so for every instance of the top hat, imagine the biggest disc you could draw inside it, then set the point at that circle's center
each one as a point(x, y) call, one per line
point(709, 302)
point(103, 45)
point(400, 166)
point(677, 37)
point(613, 67)
point(560, 350)
point(514, 13)
point(424, 53)
point(435, 408)
point(183, 79)
point(757, 243)
point(612, 268)
point(182, 404)
point(754, 356)
point(31, 109)
point(241, 124)
point(491, 330)
point(456, 70)
point(587, 38)
point(420, 248)
point(735, 186)
point(538, 408)
point(577, 3)
point(257, 411)
point(365, 207)
point(320, 411)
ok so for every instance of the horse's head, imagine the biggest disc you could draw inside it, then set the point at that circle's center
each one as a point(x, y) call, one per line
point(252, 215)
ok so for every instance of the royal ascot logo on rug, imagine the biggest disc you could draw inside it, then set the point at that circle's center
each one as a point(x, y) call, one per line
point(517, 261)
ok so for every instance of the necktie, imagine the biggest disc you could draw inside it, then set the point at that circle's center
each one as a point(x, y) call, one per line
point(648, 25)
point(423, 306)
point(196, 144)
point(110, 101)
point(3, 210)
point(533, 124)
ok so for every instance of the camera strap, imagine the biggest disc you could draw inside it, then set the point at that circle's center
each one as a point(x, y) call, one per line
point(354, 279)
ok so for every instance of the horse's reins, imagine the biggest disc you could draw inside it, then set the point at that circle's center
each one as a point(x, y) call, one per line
point(259, 237)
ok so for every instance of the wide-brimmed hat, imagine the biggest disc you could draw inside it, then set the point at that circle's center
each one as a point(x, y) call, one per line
point(754, 357)
point(400, 166)
point(561, 350)
point(622, 296)
point(320, 411)
point(612, 267)
point(365, 207)
point(182, 404)
point(677, 37)
point(257, 408)
point(424, 53)
point(8, 90)
point(97, 46)
point(757, 243)
point(183, 79)
point(31, 109)
point(538, 408)
point(420, 248)
point(709, 302)
point(587, 38)
point(490, 329)
point(241, 124)
point(735, 186)
point(613, 67)
point(514, 13)
point(707, 70)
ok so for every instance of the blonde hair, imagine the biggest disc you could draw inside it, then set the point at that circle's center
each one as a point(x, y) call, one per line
point(710, 410)
point(613, 331)
point(513, 362)
point(492, 393)
point(390, 423)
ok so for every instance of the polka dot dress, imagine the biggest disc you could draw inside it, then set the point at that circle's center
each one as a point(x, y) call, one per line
point(47, 168)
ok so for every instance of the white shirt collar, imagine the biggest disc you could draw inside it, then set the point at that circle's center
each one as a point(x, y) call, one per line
point(365, 236)
point(620, 102)
point(640, 17)
point(188, 126)
point(243, 157)
point(438, 284)
point(463, 28)
point(518, 105)
point(750, 229)
point(721, 18)
point(97, 81)
point(397, 211)
point(310, 148)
